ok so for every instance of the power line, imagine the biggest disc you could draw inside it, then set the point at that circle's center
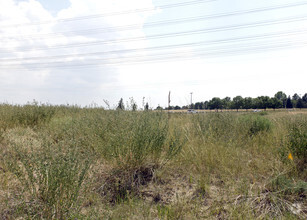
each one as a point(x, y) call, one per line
point(168, 57)
point(189, 45)
point(115, 13)
point(159, 23)
point(176, 34)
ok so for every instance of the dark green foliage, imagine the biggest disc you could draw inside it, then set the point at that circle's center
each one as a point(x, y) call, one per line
point(299, 103)
point(255, 124)
point(238, 102)
point(289, 103)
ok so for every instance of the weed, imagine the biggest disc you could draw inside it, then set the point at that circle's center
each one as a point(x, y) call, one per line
point(51, 175)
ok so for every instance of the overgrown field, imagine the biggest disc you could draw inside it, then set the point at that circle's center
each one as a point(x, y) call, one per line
point(65, 162)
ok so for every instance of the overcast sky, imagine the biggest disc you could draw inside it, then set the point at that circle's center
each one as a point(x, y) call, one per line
point(86, 51)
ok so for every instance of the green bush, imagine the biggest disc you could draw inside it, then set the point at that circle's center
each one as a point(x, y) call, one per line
point(255, 124)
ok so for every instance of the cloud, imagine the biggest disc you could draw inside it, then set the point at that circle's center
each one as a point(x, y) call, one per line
point(37, 78)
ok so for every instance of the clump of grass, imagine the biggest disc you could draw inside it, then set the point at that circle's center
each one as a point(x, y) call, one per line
point(32, 115)
point(51, 175)
point(137, 145)
point(295, 144)
point(286, 186)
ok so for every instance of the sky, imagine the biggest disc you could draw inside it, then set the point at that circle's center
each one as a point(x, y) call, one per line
point(86, 52)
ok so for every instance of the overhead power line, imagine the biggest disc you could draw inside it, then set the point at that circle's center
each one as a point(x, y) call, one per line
point(157, 23)
point(167, 47)
point(166, 57)
point(114, 13)
point(176, 34)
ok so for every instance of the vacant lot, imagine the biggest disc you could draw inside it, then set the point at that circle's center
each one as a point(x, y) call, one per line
point(60, 162)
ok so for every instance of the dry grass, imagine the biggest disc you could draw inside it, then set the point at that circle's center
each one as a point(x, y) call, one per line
point(135, 165)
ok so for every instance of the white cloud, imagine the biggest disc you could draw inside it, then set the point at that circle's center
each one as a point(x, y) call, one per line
point(61, 84)
point(246, 75)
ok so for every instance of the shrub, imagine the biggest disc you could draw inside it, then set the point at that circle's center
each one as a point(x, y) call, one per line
point(255, 124)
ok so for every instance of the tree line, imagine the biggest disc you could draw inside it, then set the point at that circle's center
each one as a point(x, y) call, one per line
point(280, 100)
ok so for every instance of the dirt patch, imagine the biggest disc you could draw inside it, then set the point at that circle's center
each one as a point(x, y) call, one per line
point(170, 190)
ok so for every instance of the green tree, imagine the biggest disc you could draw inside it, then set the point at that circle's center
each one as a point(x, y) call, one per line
point(226, 102)
point(282, 97)
point(262, 102)
point(159, 108)
point(299, 103)
point(295, 98)
point(275, 103)
point(237, 102)
point(215, 103)
point(247, 103)
point(304, 99)
point(289, 103)
point(199, 105)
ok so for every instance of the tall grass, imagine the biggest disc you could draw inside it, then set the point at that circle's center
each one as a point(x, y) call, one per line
point(61, 162)
point(50, 174)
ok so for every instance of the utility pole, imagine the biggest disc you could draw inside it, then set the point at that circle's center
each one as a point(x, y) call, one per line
point(169, 102)
point(169, 99)
point(191, 99)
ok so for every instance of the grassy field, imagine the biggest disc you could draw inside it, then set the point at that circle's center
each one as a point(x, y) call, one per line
point(64, 162)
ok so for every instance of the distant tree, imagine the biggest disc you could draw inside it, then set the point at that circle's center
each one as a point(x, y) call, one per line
point(134, 107)
point(266, 102)
point(159, 108)
point(215, 103)
point(121, 105)
point(206, 105)
point(177, 107)
point(257, 103)
point(237, 102)
point(275, 103)
point(146, 107)
point(247, 103)
point(289, 103)
point(304, 99)
point(295, 98)
point(226, 102)
point(282, 97)
point(199, 105)
point(299, 103)
point(262, 102)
